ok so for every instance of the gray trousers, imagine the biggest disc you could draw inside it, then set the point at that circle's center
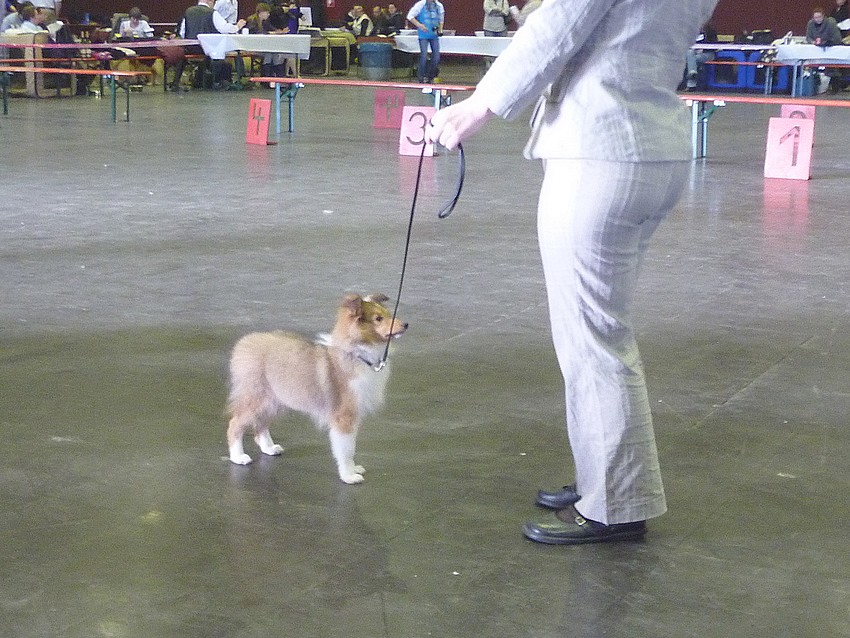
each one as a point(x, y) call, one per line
point(595, 220)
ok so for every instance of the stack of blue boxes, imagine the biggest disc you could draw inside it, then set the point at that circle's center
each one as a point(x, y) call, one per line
point(742, 78)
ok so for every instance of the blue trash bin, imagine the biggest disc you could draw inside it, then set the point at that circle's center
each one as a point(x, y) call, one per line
point(376, 60)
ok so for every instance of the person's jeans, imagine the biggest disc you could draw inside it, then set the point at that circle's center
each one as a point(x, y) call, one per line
point(428, 71)
point(695, 61)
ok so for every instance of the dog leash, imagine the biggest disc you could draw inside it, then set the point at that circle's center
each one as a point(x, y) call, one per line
point(444, 212)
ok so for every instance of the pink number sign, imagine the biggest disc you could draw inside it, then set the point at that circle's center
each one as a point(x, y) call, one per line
point(789, 148)
point(414, 119)
point(388, 109)
point(257, 131)
point(805, 112)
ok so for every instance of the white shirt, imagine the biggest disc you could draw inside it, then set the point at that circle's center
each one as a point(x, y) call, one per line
point(221, 25)
point(11, 21)
point(29, 27)
point(608, 70)
point(229, 10)
point(53, 28)
point(142, 30)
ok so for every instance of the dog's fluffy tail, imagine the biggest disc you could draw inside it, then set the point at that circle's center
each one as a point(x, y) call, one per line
point(249, 388)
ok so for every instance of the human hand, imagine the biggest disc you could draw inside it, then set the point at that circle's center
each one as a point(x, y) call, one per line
point(452, 125)
point(241, 23)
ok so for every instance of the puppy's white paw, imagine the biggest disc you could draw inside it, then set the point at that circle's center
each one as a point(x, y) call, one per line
point(274, 450)
point(359, 469)
point(240, 459)
point(352, 479)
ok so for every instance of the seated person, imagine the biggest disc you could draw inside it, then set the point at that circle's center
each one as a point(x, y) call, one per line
point(32, 20)
point(199, 19)
point(822, 30)
point(696, 59)
point(229, 10)
point(380, 22)
point(14, 20)
point(293, 17)
point(134, 26)
point(260, 22)
point(840, 13)
point(360, 24)
point(395, 18)
point(56, 28)
point(285, 16)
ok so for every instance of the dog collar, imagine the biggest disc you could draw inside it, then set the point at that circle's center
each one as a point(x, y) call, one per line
point(375, 365)
point(325, 340)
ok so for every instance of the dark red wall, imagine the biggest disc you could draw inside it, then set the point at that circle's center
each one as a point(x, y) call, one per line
point(735, 16)
point(465, 16)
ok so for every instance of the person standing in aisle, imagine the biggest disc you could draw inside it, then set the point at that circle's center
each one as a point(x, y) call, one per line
point(496, 16)
point(428, 17)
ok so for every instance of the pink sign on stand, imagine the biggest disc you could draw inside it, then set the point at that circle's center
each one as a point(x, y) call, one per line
point(414, 119)
point(257, 131)
point(789, 148)
point(388, 109)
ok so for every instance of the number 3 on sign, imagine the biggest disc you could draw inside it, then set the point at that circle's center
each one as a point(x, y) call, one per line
point(414, 119)
point(789, 148)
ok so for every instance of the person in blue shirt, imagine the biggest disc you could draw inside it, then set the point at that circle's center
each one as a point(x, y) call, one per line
point(428, 17)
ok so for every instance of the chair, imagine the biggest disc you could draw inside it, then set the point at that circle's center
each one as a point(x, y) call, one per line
point(319, 62)
point(341, 44)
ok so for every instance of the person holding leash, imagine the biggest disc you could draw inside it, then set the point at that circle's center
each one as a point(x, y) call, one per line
point(614, 140)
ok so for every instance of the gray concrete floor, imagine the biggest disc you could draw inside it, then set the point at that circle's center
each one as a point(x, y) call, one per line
point(132, 256)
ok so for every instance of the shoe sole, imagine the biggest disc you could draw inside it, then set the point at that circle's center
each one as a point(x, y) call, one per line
point(613, 537)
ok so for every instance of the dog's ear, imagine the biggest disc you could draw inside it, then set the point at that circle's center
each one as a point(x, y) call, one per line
point(378, 297)
point(353, 304)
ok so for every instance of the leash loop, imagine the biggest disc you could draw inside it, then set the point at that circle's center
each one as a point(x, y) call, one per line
point(449, 206)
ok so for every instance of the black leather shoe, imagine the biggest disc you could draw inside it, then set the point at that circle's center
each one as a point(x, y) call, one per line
point(559, 499)
point(577, 530)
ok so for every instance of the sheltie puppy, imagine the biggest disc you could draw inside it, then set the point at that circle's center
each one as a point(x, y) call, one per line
point(333, 380)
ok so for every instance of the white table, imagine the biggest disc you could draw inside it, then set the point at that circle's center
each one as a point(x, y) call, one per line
point(731, 47)
point(218, 45)
point(812, 54)
point(457, 44)
point(800, 55)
